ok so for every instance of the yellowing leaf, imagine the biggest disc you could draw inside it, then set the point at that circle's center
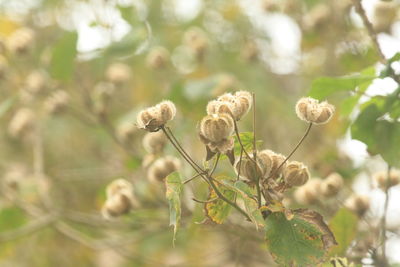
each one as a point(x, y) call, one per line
point(174, 187)
point(344, 227)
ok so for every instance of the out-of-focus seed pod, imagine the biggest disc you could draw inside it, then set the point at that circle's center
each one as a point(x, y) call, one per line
point(358, 204)
point(270, 5)
point(196, 39)
point(20, 41)
point(331, 185)
point(216, 127)
point(21, 123)
point(148, 159)
point(384, 181)
point(13, 177)
point(317, 18)
point(275, 160)
point(295, 173)
point(154, 143)
point(56, 102)
point(309, 193)
point(125, 131)
point(246, 100)
point(36, 81)
point(311, 111)
point(120, 199)
point(118, 73)
point(152, 118)
point(162, 167)
point(384, 15)
point(101, 97)
point(157, 58)
point(250, 51)
point(249, 170)
point(3, 67)
point(236, 105)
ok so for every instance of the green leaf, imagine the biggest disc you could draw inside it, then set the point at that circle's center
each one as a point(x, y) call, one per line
point(325, 86)
point(344, 227)
point(174, 187)
point(218, 210)
point(11, 218)
point(6, 105)
point(301, 241)
point(63, 56)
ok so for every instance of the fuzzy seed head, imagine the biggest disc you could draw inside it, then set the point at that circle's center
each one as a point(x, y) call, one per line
point(118, 186)
point(249, 170)
point(384, 182)
point(118, 73)
point(222, 146)
point(277, 159)
point(215, 107)
point(157, 58)
point(196, 39)
point(331, 185)
point(120, 199)
point(358, 204)
point(216, 127)
point(20, 41)
point(308, 194)
point(154, 143)
point(311, 111)
point(21, 123)
point(167, 110)
point(162, 167)
point(152, 118)
point(56, 102)
point(295, 173)
point(267, 161)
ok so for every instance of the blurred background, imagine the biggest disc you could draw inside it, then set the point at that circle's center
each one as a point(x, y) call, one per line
point(75, 73)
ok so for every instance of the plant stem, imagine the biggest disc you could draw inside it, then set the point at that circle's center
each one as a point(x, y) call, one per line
point(255, 152)
point(384, 217)
point(296, 147)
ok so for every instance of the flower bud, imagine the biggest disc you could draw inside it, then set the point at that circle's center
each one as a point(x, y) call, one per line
point(197, 41)
point(120, 199)
point(162, 167)
point(358, 204)
point(295, 173)
point(310, 110)
point(245, 101)
point(157, 58)
point(215, 107)
point(56, 102)
point(308, 194)
point(274, 160)
point(118, 73)
point(331, 185)
point(167, 110)
point(226, 97)
point(154, 143)
point(21, 123)
point(152, 118)
point(20, 41)
point(249, 170)
point(384, 181)
point(216, 127)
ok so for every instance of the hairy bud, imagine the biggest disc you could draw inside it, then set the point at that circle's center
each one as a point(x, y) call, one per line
point(20, 41)
point(358, 204)
point(157, 58)
point(154, 143)
point(56, 102)
point(215, 107)
point(120, 199)
point(275, 160)
point(21, 123)
point(216, 127)
point(162, 167)
point(118, 73)
point(308, 194)
point(196, 39)
point(331, 185)
point(236, 105)
point(384, 181)
point(295, 173)
point(152, 118)
point(310, 110)
point(249, 170)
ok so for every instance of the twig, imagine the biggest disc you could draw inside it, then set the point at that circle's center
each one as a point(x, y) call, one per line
point(371, 32)
point(190, 179)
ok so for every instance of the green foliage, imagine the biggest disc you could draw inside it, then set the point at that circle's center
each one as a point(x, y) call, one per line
point(11, 218)
point(174, 188)
point(6, 105)
point(301, 240)
point(344, 227)
point(63, 56)
point(218, 210)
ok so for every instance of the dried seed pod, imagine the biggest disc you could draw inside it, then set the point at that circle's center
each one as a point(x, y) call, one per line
point(162, 167)
point(167, 110)
point(21, 123)
point(249, 170)
point(384, 181)
point(311, 111)
point(331, 185)
point(125, 131)
point(222, 146)
point(118, 73)
point(245, 102)
point(36, 81)
point(274, 160)
point(157, 58)
point(118, 186)
point(226, 97)
point(216, 127)
point(295, 173)
point(358, 204)
point(154, 143)
point(196, 39)
point(20, 41)
point(101, 96)
point(215, 107)
point(308, 194)
point(120, 199)
point(152, 118)
point(56, 102)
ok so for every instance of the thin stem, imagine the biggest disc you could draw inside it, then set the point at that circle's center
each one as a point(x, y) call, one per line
point(255, 152)
point(240, 163)
point(204, 201)
point(191, 179)
point(371, 32)
point(215, 165)
point(240, 141)
point(384, 217)
point(296, 147)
